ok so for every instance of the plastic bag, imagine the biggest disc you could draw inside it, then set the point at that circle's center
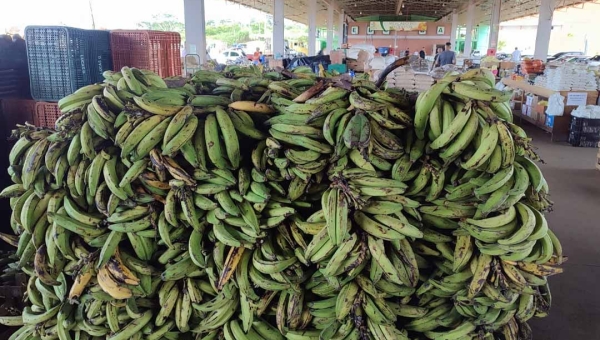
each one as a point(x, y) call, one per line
point(556, 105)
point(587, 111)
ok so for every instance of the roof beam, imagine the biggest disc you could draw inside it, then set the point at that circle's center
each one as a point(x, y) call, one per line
point(334, 4)
point(399, 7)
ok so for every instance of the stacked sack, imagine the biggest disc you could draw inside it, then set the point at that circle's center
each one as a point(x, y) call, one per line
point(422, 82)
point(401, 78)
point(405, 78)
point(251, 205)
point(568, 77)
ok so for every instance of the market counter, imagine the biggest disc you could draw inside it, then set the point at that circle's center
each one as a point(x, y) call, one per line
point(559, 130)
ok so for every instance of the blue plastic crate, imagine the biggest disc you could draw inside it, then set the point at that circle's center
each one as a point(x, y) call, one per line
point(63, 59)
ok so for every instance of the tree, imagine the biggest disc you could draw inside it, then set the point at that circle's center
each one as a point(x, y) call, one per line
point(164, 22)
point(501, 45)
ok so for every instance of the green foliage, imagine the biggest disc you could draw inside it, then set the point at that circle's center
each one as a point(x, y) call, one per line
point(501, 45)
point(227, 31)
point(164, 22)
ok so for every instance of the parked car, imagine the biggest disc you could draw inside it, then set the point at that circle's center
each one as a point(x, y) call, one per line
point(568, 59)
point(231, 56)
point(476, 57)
point(503, 56)
point(594, 61)
point(561, 54)
point(578, 59)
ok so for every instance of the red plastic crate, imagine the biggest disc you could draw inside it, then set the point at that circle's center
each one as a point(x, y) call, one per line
point(46, 114)
point(151, 50)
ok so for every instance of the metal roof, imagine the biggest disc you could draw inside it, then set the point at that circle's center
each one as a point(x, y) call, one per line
point(430, 8)
point(295, 10)
point(421, 10)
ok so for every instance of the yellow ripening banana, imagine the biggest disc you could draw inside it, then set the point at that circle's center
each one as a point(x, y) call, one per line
point(250, 106)
point(111, 286)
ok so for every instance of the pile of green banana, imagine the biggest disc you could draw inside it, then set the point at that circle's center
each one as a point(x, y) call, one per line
point(266, 206)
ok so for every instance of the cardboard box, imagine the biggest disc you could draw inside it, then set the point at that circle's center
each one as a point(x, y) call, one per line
point(275, 62)
point(517, 96)
point(540, 109)
point(515, 105)
point(541, 118)
point(353, 65)
point(533, 113)
point(525, 110)
point(507, 65)
point(337, 57)
point(531, 100)
point(490, 64)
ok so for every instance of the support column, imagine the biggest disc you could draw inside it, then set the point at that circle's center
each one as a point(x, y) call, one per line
point(494, 24)
point(329, 29)
point(278, 28)
point(340, 29)
point(469, 32)
point(453, 29)
point(312, 27)
point(195, 28)
point(542, 39)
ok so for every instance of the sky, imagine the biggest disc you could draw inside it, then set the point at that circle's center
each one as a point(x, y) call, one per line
point(110, 14)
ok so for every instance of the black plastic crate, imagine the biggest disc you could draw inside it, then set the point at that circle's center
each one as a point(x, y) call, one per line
point(14, 83)
point(584, 139)
point(585, 125)
point(14, 78)
point(63, 59)
point(13, 55)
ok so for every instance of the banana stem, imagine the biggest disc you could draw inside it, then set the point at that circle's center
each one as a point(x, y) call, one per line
point(389, 69)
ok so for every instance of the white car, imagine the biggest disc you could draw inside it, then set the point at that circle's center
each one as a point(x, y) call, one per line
point(594, 61)
point(230, 56)
point(476, 57)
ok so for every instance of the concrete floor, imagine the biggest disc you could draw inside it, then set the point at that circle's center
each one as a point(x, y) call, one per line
point(575, 189)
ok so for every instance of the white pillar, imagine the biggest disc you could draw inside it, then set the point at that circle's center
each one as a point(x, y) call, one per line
point(278, 28)
point(340, 29)
point(195, 28)
point(453, 29)
point(329, 28)
point(494, 24)
point(542, 39)
point(469, 33)
point(312, 27)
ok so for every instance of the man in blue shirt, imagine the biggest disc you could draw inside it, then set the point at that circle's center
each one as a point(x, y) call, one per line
point(447, 57)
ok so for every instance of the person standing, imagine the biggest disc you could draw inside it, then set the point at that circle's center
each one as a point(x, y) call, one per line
point(436, 59)
point(448, 57)
point(516, 56)
point(422, 53)
point(256, 56)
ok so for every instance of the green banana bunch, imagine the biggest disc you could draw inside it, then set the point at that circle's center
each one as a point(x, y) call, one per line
point(266, 205)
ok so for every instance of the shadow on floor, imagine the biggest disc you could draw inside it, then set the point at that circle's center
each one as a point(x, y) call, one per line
point(575, 189)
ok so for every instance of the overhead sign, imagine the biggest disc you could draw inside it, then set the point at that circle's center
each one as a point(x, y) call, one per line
point(398, 26)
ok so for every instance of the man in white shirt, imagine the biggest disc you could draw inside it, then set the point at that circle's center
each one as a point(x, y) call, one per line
point(516, 55)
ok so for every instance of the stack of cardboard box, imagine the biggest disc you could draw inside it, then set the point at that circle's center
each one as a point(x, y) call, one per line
point(361, 64)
